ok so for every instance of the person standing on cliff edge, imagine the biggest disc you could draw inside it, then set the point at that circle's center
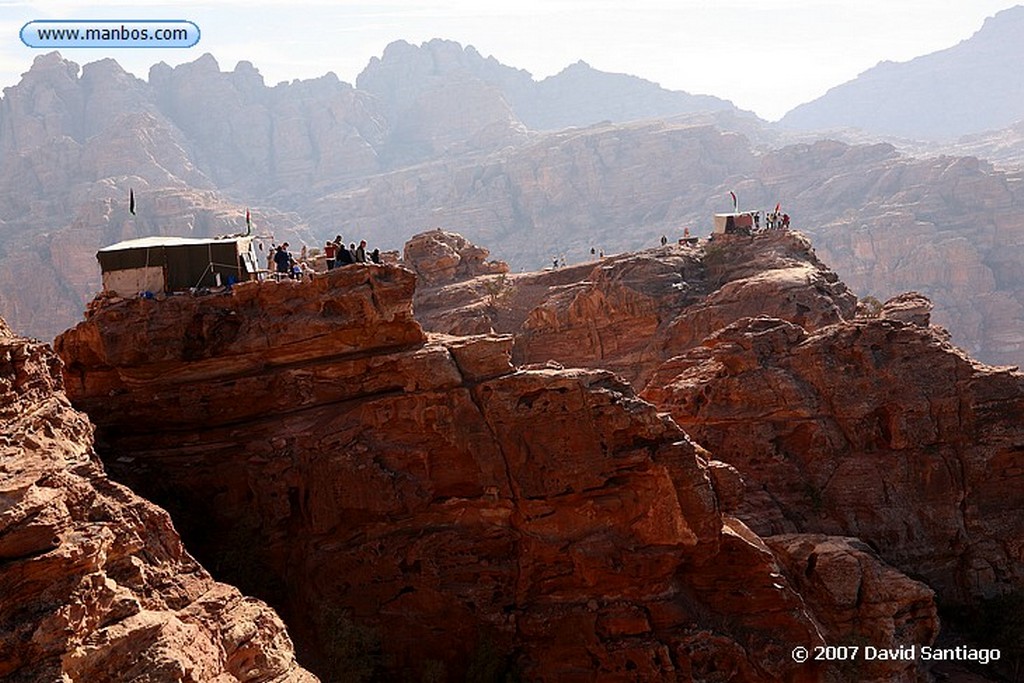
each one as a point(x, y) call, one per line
point(329, 251)
point(283, 260)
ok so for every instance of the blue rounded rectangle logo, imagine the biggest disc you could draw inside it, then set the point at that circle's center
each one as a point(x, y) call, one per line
point(48, 33)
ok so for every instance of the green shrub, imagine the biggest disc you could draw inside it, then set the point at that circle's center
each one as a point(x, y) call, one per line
point(869, 307)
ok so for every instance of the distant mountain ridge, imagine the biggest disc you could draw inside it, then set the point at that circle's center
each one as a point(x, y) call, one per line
point(974, 86)
point(579, 95)
point(198, 144)
point(434, 136)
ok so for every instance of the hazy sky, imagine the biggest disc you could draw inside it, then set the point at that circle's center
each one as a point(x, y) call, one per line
point(765, 55)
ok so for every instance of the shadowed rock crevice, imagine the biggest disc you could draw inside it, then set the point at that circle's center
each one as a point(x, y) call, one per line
point(96, 583)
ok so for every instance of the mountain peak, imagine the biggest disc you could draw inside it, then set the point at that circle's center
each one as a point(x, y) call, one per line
point(577, 95)
point(1007, 17)
point(104, 68)
point(49, 65)
point(902, 99)
point(50, 60)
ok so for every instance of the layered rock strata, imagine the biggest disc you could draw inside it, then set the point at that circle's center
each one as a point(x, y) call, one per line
point(421, 508)
point(753, 346)
point(96, 584)
point(874, 428)
point(630, 312)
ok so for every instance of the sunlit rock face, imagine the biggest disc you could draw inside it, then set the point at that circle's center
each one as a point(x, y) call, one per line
point(874, 428)
point(96, 583)
point(417, 494)
point(630, 312)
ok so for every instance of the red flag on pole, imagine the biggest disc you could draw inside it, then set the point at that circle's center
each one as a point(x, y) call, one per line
point(734, 204)
point(777, 207)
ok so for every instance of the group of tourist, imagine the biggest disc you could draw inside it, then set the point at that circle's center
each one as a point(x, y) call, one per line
point(283, 263)
point(339, 255)
point(776, 221)
point(750, 222)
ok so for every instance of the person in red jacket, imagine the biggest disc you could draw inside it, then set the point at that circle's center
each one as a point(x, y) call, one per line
point(329, 251)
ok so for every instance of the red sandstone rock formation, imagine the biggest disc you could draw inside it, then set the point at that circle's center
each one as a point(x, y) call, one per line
point(96, 585)
point(948, 227)
point(417, 506)
point(877, 429)
point(860, 600)
point(629, 312)
point(909, 307)
point(439, 258)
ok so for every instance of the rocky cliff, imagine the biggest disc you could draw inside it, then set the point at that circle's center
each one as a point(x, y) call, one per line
point(630, 312)
point(611, 187)
point(434, 136)
point(257, 141)
point(867, 425)
point(946, 226)
point(96, 584)
point(418, 507)
point(874, 428)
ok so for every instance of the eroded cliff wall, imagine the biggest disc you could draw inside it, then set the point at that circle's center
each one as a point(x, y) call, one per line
point(627, 312)
point(821, 418)
point(862, 422)
point(95, 582)
point(416, 506)
point(874, 428)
